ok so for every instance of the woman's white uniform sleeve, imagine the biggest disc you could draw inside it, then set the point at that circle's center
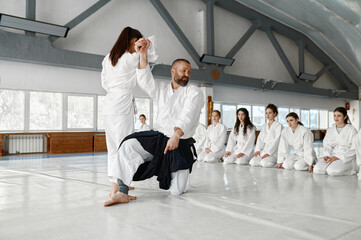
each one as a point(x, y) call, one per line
point(248, 147)
point(356, 145)
point(219, 144)
point(283, 149)
point(349, 153)
point(152, 55)
point(260, 143)
point(273, 147)
point(147, 83)
point(327, 148)
point(231, 141)
point(104, 74)
point(308, 148)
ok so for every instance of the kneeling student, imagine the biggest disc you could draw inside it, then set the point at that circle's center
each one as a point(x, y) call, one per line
point(301, 139)
point(213, 148)
point(241, 140)
point(268, 140)
point(338, 158)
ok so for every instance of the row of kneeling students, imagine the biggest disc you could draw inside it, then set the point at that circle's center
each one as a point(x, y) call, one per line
point(340, 155)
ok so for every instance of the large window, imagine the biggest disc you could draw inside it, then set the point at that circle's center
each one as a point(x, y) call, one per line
point(12, 110)
point(100, 120)
point(323, 119)
point(282, 113)
point(259, 117)
point(228, 115)
point(143, 107)
point(305, 118)
point(46, 111)
point(330, 119)
point(313, 119)
point(295, 110)
point(80, 112)
point(248, 107)
point(217, 106)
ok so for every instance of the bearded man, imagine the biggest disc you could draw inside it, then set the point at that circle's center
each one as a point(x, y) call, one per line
point(168, 152)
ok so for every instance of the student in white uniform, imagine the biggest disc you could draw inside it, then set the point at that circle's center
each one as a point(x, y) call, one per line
point(241, 140)
point(357, 147)
point(200, 137)
point(268, 140)
point(169, 152)
point(119, 79)
point(213, 149)
point(300, 139)
point(144, 126)
point(338, 158)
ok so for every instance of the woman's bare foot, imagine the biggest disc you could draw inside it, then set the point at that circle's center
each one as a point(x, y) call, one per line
point(131, 188)
point(119, 198)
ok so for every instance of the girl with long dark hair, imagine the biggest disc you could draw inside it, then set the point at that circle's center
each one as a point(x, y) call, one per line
point(300, 139)
point(338, 157)
point(216, 135)
point(119, 78)
point(241, 140)
point(268, 140)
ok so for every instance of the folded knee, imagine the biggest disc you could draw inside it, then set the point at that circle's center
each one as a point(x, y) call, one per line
point(335, 173)
point(319, 171)
point(287, 165)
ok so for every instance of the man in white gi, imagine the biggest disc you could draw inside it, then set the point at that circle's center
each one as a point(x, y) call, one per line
point(169, 152)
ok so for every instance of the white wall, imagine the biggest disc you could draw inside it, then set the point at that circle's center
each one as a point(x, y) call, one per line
point(98, 33)
point(238, 96)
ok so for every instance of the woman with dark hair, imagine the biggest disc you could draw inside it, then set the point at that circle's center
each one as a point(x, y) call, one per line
point(241, 139)
point(268, 140)
point(119, 78)
point(338, 157)
point(144, 126)
point(216, 135)
point(300, 139)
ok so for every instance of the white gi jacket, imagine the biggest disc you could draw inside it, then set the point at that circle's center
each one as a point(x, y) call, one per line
point(241, 143)
point(120, 80)
point(357, 147)
point(145, 127)
point(216, 137)
point(200, 137)
point(269, 138)
point(339, 144)
point(302, 142)
point(180, 108)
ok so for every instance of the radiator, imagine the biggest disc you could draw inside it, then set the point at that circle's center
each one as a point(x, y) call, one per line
point(32, 143)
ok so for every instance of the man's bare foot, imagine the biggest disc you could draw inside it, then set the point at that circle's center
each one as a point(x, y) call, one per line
point(114, 190)
point(119, 198)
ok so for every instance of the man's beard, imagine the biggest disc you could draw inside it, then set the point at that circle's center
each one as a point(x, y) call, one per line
point(181, 82)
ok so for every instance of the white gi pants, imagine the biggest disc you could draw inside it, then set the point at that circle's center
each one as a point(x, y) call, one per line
point(336, 168)
point(116, 129)
point(295, 162)
point(212, 157)
point(244, 160)
point(267, 162)
point(131, 155)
